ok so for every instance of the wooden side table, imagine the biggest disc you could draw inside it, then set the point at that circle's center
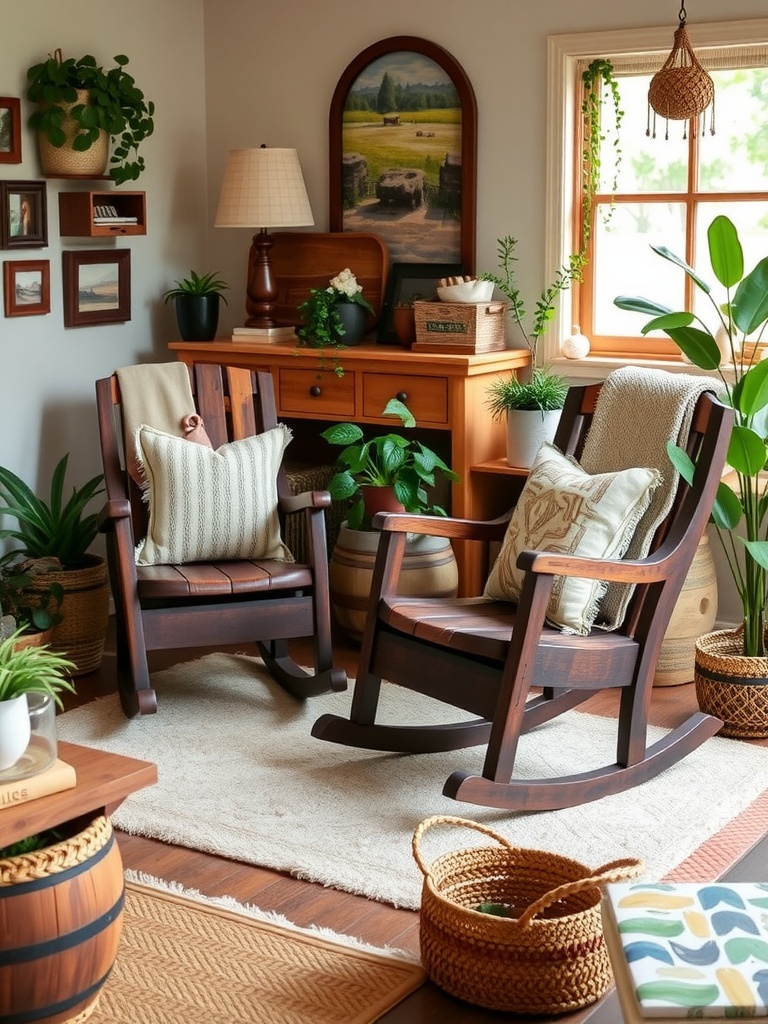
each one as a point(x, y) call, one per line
point(103, 782)
point(445, 391)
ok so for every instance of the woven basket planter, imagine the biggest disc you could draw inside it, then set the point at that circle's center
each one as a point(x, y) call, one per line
point(82, 633)
point(62, 910)
point(731, 686)
point(550, 957)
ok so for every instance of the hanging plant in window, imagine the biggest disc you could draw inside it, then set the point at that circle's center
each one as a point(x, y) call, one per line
point(598, 79)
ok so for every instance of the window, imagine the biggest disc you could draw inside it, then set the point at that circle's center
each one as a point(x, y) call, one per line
point(669, 187)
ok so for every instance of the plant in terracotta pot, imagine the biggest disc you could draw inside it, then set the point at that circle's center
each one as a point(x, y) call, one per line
point(387, 473)
point(740, 512)
point(541, 397)
point(81, 106)
point(55, 535)
point(31, 611)
point(197, 300)
point(23, 671)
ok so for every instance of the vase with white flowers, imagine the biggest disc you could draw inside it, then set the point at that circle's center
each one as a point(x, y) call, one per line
point(336, 315)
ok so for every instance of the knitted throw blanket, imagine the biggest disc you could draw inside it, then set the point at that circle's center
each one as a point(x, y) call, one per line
point(638, 411)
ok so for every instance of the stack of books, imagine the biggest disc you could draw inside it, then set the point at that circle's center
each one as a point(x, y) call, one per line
point(54, 779)
point(264, 335)
point(683, 950)
point(109, 215)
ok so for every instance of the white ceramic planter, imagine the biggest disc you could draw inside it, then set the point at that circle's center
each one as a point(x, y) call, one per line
point(15, 730)
point(527, 429)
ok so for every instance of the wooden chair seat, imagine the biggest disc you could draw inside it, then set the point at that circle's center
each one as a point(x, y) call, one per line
point(216, 603)
point(504, 664)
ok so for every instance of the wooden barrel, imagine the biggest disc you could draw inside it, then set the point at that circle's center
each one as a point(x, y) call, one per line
point(61, 910)
point(694, 615)
point(429, 570)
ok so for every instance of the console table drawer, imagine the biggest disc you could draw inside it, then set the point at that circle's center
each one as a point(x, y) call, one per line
point(426, 397)
point(301, 392)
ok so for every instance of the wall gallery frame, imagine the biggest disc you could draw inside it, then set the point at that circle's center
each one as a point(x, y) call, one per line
point(10, 130)
point(403, 152)
point(27, 287)
point(23, 215)
point(97, 287)
point(407, 283)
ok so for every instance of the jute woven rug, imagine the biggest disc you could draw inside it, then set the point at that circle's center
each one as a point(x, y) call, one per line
point(183, 958)
point(241, 776)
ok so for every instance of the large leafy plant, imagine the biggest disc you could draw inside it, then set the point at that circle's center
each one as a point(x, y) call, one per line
point(389, 460)
point(56, 528)
point(739, 512)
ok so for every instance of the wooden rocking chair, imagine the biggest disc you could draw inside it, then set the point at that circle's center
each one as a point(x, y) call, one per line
point(486, 656)
point(220, 603)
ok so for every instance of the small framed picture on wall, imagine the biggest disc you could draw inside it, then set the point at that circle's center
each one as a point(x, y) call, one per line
point(27, 287)
point(23, 215)
point(97, 287)
point(10, 130)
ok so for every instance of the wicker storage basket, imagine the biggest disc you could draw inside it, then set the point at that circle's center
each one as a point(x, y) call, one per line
point(311, 478)
point(550, 958)
point(731, 686)
point(460, 326)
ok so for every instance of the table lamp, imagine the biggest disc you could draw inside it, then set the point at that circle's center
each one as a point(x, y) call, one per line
point(263, 188)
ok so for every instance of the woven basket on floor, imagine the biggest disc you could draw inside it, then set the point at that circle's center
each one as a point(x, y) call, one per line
point(549, 958)
point(731, 686)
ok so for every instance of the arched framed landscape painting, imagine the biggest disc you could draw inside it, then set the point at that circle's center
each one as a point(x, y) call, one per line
point(403, 152)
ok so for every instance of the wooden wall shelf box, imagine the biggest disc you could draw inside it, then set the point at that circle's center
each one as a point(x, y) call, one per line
point(77, 214)
point(446, 392)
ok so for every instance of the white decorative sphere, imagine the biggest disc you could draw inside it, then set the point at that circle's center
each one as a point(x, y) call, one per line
point(577, 345)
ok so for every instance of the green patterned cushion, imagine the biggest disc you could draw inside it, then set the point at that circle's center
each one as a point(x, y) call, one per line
point(564, 509)
point(206, 505)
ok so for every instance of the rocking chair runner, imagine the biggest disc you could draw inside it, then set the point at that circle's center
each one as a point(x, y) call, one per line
point(268, 601)
point(486, 656)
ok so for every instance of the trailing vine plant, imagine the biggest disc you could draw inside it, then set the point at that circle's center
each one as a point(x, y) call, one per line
point(596, 79)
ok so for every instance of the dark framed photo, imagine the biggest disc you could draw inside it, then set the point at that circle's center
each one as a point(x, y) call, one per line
point(97, 287)
point(408, 282)
point(10, 130)
point(27, 287)
point(23, 215)
point(403, 152)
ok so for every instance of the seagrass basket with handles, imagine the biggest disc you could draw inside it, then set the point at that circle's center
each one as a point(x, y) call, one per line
point(730, 685)
point(548, 957)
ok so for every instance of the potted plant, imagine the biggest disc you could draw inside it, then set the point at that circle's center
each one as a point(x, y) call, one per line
point(387, 473)
point(33, 612)
point(25, 670)
point(197, 300)
point(541, 397)
point(335, 316)
point(740, 512)
point(80, 107)
point(56, 535)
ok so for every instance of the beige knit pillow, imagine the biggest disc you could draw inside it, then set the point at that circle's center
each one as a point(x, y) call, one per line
point(564, 509)
point(206, 504)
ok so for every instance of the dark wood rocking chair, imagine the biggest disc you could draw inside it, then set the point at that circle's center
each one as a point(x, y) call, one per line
point(486, 656)
point(159, 607)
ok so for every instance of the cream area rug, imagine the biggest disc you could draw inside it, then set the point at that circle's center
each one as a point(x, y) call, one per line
point(241, 776)
point(183, 957)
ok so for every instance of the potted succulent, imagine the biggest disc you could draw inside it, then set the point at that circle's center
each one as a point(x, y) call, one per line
point(80, 107)
point(197, 300)
point(23, 671)
point(532, 407)
point(725, 659)
point(387, 473)
point(56, 535)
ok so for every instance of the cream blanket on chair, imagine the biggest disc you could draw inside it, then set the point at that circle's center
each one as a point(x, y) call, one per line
point(638, 412)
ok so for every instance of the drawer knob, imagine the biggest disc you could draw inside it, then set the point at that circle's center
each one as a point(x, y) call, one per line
point(402, 396)
point(315, 391)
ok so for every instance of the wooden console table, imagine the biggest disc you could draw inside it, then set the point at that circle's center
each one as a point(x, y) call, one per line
point(103, 782)
point(446, 392)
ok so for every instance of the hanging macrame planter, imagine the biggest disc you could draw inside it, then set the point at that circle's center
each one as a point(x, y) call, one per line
point(681, 90)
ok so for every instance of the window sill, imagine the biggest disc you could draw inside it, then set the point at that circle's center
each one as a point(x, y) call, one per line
point(597, 368)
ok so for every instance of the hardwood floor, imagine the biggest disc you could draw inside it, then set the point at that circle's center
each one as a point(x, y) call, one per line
point(306, 903)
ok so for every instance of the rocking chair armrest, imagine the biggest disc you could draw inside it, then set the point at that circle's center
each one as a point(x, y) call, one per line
point(442, 526)
point(613, 570)
point(112, 511)
point(307, 499)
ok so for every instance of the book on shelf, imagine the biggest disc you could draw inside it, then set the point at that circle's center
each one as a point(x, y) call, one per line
point(688, 949)
point(115, 220)
point(55, 779)
point(280, 333)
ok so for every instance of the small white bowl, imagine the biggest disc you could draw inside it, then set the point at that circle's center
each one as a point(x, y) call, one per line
point(467, 291)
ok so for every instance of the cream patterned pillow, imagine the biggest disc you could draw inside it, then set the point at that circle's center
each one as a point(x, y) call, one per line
point(206, 504)
point(564, 509)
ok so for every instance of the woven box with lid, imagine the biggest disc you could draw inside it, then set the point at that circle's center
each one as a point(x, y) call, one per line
point(460, 326)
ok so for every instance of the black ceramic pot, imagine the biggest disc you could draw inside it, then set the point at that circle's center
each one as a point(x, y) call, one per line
point(197, 316)
point(353, 317)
